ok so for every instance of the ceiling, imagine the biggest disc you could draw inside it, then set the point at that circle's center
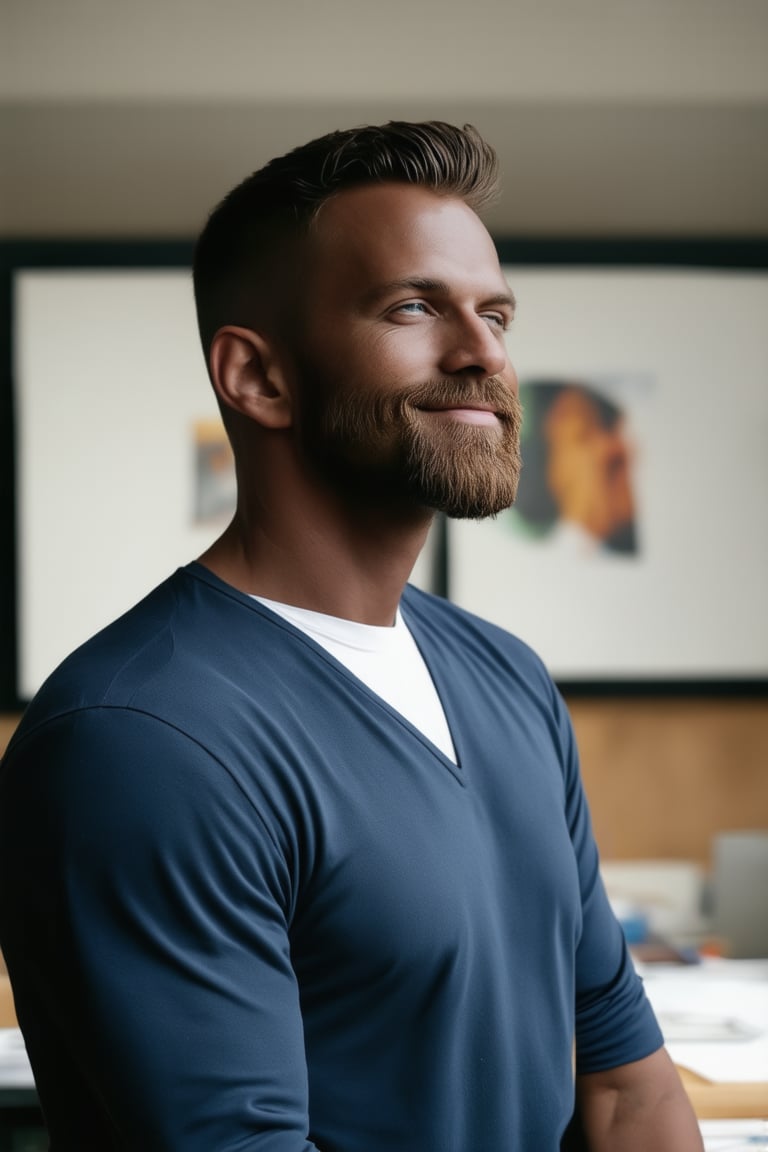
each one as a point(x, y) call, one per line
point(609, 117)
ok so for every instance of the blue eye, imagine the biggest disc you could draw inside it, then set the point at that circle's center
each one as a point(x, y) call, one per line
point(412, 306)
point(497, 320)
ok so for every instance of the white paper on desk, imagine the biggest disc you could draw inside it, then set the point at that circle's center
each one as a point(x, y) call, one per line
point(724, 1063)
point(729, 1002)
point(15, 1070)
point(734, 1135)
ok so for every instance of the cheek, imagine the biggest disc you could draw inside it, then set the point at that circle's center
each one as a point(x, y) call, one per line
point(511, 378)
point(404, 351)
point(359, 360)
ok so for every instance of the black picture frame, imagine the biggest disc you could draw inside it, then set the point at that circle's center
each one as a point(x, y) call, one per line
point(15, 256)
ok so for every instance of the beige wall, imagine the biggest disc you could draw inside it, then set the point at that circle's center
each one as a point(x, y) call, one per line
point(609, 115)
point(298, 50)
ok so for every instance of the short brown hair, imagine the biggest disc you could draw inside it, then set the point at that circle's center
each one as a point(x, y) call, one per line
point(250, 233)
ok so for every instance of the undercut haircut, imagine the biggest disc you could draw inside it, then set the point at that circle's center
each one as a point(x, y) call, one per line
point(252, 238)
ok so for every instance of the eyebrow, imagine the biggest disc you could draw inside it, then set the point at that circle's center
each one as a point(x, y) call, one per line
point(438, 287)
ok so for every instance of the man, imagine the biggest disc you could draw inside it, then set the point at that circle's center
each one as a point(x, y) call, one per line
point(295, 856)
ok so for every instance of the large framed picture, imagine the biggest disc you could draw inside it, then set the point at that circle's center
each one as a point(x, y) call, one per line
point(637, 551)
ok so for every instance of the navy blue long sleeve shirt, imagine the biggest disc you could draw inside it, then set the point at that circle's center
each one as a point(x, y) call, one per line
point(246, 905)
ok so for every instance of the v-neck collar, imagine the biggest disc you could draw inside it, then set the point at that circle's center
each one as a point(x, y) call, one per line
point(457, 770)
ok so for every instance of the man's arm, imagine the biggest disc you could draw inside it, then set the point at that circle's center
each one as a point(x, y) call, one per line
point(637, 1107)
point(143, 903)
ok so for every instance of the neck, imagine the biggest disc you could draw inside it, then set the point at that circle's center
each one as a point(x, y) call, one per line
point(321, 554)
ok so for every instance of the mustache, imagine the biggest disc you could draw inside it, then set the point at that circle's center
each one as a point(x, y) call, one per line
point(450, 393)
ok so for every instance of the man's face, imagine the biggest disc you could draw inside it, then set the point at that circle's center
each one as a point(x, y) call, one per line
point(406, 396)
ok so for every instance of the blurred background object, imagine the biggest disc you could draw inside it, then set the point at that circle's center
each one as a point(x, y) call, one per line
point(740, 892)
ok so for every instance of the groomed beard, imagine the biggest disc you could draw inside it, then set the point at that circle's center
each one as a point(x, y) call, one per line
point(381, 449)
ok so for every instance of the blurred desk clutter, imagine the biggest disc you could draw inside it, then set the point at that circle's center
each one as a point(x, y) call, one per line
point(734, 1135)
point(714, 1017)
point(21, 1127)
point(700, 942)
point(662, 906)
point(676, 909)
point(740, 891)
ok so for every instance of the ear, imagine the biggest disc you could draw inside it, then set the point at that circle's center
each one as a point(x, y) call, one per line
point(248, 376)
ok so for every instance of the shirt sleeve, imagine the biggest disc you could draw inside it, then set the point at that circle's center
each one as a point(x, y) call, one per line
point(144, 903)
point(615, 1023)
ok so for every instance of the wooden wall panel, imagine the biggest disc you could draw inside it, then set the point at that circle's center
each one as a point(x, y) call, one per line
point(663, 776)
point(7, 725)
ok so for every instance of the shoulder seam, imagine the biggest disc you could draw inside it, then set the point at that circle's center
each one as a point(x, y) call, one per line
point(83, 710)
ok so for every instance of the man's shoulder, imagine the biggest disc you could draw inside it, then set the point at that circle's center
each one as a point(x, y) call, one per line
point(151, 656)
point(442, 615)
point(478, 658)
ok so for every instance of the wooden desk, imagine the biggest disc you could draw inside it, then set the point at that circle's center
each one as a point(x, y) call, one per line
point(7, 1011)
point(723, 990)
point(720, 1101)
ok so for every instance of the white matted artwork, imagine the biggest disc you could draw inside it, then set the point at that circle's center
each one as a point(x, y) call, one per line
point(122, 469)
point(110, 386)
point(639, 549)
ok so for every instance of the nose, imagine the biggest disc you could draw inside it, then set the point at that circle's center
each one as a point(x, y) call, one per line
point(474, 347)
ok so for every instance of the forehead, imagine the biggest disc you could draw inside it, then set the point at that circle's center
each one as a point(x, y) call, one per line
point(387, 232)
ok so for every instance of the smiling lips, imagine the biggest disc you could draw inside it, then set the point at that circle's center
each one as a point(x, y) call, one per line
point(479, 415)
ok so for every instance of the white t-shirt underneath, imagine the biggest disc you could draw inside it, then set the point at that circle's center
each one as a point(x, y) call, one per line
point(387, 660)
